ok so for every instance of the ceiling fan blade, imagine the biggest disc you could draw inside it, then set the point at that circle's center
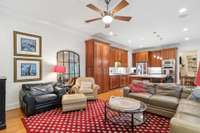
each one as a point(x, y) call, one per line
point(93, 7)
point(107, 25)
point(123, 18)
point(120, 6)
point(91, 20)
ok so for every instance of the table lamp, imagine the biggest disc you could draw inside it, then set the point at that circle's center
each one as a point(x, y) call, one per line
point(60, 70)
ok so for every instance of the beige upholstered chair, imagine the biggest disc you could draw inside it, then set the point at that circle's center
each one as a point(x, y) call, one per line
point(87, 86)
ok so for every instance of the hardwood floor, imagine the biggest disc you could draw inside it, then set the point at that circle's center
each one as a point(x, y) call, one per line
point(13, 117)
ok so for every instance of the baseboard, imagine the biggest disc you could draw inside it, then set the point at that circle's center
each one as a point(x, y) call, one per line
point(12, 106)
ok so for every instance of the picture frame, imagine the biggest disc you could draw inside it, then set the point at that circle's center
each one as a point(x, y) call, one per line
point(26, 44)
point(27, 69)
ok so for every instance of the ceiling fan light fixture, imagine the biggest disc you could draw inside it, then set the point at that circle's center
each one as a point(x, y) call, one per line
point(107, 19)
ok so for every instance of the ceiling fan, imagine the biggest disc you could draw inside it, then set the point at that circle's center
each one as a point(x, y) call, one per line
point(108, 15)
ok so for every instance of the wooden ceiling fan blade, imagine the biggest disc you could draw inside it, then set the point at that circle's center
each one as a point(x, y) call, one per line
point(120, 6)
point(94, 8)
point(91, 20)
point(123, 18)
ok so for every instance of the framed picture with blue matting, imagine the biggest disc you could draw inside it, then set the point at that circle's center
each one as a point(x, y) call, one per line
point(27, 69)
point(26, 44)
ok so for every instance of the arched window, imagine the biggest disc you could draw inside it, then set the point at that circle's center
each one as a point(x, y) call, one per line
point(71, 61)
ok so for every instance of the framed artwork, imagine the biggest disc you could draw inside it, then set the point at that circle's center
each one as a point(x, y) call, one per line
point(27, 69)
point(27, 44)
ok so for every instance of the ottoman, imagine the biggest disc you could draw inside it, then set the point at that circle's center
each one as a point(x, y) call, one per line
point(71, 102)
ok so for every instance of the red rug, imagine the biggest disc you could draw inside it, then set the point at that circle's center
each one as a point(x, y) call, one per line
point(89, 121)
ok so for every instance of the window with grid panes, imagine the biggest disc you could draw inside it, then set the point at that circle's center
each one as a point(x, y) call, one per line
point(71, 61)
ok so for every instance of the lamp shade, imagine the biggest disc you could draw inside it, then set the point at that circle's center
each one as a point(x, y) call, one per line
point(59, 69)
point(197, 79)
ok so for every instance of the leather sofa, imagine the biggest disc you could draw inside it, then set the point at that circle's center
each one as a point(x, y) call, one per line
point(170, 100)
point(40, 97)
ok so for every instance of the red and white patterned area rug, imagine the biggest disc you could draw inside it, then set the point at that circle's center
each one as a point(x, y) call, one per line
point(90, 120)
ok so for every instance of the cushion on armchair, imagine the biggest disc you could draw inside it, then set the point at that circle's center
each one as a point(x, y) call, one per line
point(45, 98)
point(86, 87)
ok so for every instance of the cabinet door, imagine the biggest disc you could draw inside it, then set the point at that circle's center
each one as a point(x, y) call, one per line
point(98, 71)
point(153, 60)
point(124, 58)
point(114, 82)
point(133, 59)
point(89, 58)
point(112, 56)
point(105, 65)
point(169, 53)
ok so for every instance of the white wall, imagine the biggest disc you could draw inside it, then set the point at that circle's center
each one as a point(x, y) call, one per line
point(53, 38)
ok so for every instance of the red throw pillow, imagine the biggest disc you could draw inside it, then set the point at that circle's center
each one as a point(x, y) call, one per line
point(136, 88)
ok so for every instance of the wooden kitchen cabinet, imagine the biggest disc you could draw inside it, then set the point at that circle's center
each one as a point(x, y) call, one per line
point(153, 60)
point(140, 57)
point(123, 80)
point(124, 58)
point(118, 55)
point(169, 53)
point(133, 59)
point(114, 81)
point(97, 62)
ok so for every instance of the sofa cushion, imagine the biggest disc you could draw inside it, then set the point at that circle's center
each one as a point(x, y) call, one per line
point(195, 95)
point(86, 91)
point(164, 101)
point(189, 107)
point(169, 89)
point(184, 123)
point(42, 89)
point(85, 85)
point(144, 97)
point(45, 98)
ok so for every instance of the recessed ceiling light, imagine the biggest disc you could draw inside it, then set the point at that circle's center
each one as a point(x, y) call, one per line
point(182, 10)
point(111, 33)
point(187, 38)
point(129, 41)
point(185, 29)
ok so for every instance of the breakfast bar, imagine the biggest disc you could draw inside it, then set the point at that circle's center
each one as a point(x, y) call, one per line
point(150, 77)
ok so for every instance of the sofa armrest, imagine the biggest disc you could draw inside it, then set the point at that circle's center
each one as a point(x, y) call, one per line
point(59, 91)
point(29, 102)
point(96, 88)
point(126, 91)
point(74, 89)
point(180, 126)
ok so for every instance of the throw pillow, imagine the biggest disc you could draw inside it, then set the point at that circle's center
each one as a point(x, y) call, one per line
point(195, 95)
point(136, 88)
point(85, 85)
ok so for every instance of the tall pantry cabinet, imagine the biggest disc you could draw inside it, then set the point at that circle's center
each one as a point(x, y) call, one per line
point(97, 62)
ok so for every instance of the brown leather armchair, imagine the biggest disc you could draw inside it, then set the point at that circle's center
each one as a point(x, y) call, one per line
point(89, 91)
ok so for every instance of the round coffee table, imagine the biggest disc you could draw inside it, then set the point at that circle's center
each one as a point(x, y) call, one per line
point(125, 111)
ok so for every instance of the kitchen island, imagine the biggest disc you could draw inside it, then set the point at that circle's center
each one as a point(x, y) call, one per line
point(151, 77)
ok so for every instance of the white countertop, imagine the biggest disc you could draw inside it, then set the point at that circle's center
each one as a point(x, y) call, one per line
point(149, 76)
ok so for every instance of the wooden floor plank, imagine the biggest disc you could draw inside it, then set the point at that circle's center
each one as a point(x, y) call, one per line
point(14, 122)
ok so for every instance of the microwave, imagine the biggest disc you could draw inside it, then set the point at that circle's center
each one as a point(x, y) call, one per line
point(168, 63)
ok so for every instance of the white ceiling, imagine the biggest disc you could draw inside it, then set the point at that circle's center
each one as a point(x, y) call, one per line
point(161, 16)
